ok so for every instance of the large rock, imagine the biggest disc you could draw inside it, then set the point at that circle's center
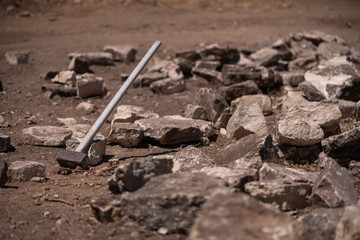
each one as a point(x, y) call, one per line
point(168, 86)
point(3, 170)
point(344, 145)
point(88, 85)
point(171, 201)
point(174, 130)
point(131, 113)
point(94, 58)
point(238, 216)
point(133, 175)
point(271, 171)
point(263, 101)
point(190, 159)
point(246, 120)
point(334, 187)
point(25, 170)
point(46, 135)
point(17, 57)
point(232, 74)
point(123, 53)
point(348, 227)
point(126, 134)
point(238, 90)
point(4, 142)
point(218, 52)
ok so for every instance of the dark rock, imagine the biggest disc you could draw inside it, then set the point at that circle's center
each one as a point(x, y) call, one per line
point(311, 92)
point(94, 58)
point(50, 75)
point(306, 62)
point(212, 76)
point(239, 89)
point(292, 78)
point(78, 65)
point(186, 66)
point(126, 134)
point(328, 50)
point(354, 169)
point(190, 159)
point(191, 55)
point(232, 73)
point(58, 89)
point(4, 142)
point(123, 53)
point(300, 155)
point(3, 170)
point(217, 52)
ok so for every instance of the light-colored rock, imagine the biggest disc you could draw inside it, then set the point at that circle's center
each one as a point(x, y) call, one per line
point(4, 142)
point(195, 112)
point(17, 57)
point(46, 135)
point(131, 113)
point(88, 85)
point(67, 121)
point(79, 130)
point(265, 57)
point(270, 171)
point(207, 64)
point(145, 79)
point(168, 86)
point(292, 98)
point(190, 159)
point(66, 78)
point(25, 170)
point(124, 53)
point(126, 134)
point(348, 227)
point(94, 58)
point(86, 107)
point(246, 120)
point(263, 101)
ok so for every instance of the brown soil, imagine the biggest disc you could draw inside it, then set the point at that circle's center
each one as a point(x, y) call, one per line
point(59, 208)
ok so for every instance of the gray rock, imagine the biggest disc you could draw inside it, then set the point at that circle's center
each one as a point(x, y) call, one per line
point(131, 113)
point(174, 130)
point(25, 170)
point(78, 65)
point(144, 80)
point(292, 98)
point(292, 78)
point(263, 101)
point(170, 201)
point(348, 108)
point(195, 112)
point(58, 89)
point(323, 222)
point(4, 142)
point(238, 90)
point(123, 53)
point(94, 58)
point(211, 75)
point(246, 120)
point(65, 78)
point(247, 146)
point(271, 171)
point(344, 145)
point(170, 67)
point(328, 50)
point(168, 86)
point(106, 209)
point(126, 134)
point(3, 122)
point(266, 57)
point(219, 52)
point(232, 74)
point(234, 216)
point(287, 195)
point(46, 135)
point(348, 227)
point(3, 170)
point(334, 187)
point(317, 37)
point(213, 65)
point(86, 107)
point(17, 57)
point(88, 85)
point(133, 175)
point(67, 121)
point(190, 159)
point(311, 92)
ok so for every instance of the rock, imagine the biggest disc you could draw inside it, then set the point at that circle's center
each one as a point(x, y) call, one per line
point(230, 216)
point(235, 178)
point(168, 130)
point(123, 53)
point(25, 170)
point(58, 89)
point(334, 187)
point(88, 85)
point(354, 169)
point(326, 115)
point(348, 108)
point(65, 78)
point(211, 75)
point(3, 122)
point(223, 119)
point(303, 62)
point(271, 171)
point(131, 113)
point(186, 66)
point(239, 89)
point(323, 222)
point(311, 92)
point(195, 112)
point(190, 159)
point(106, 209)
point(218, 52)
point(292, 78)
point(170, 201)
point(46, 135)
point(3, 170)
point(94, 58)
point(67, 121)
point(86, 107)
point(317, 37)
point(78, 65)
point(328, 50)
point(167, 86)
point(191, 55)
point(266, 57)
point(213, 65)
point(133, 175)
point(247, 146)
point(287, 195)
point(246, 120)
point(300, 155)
point(79, 130)
point(170, 67)
point(344, 145)
point(4, 142)
point(263, 101)
point(292, 98)
point(232, 74)
point(126, 134)
point(17, 57)
point(340, 81)
point(270, 80)
point(144, 80)
point(348, 227)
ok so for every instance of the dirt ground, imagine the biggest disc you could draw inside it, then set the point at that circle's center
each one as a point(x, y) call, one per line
point(59, 208)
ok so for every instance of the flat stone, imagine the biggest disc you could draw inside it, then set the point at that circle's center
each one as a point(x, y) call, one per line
point(168, 86)
point(344, 145)
point(292, 98)
point(66, 78)
point(133, 175)
point(78, 65)
point(230, 216)
point(334, 187)
point(25, 170)
point(349, 224)
point(219, 52)
point(126, 134)
point(46, 135)
point(211, 75)
point(3, 170)
point(59, 89)
point(232, 73)
point(123, 53)
point(174, 130)
point(145, 79)
point(287, 195)
point(213, 65)
point(195, 112)
point(311, 92)
point(67, 121)
point(263, 101)
point(88, 85)
point(239, 89)
point(170, 201)
point(190, 159)
point(246, 120)
point(131, 113)
point(4, 142)
point(94, 58)
point(86, 107)
point(17, 57)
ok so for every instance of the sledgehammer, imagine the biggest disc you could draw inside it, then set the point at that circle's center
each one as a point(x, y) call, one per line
point(78, 157)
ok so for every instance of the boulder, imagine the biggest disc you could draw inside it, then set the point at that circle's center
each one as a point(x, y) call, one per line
point(246, 120)
point(86, 107)
point(46, 135)
point(58, 89)
point(190, 159)
point(133, 175)
point(168, 86)
point(219, 52)
point(232, 74)
point(271, 171)
point(17, 57)
point(4, 142)
point(65, 78)
point(3, 170)
point(263, 101)
point(126, 134)
point(195, 112)
point(94, 58)
point(123, 53)
point(78, 65)
point(88, 85)
point(211, 75)
point(25, 170)
point(348, 227)
point(239, 89)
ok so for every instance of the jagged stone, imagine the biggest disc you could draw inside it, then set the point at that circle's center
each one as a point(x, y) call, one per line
point(58, 89)
point(133, 175)
point(239, 89)
point(17, 57)
point(86, 107)
point(263, 101)
point(348, 227)
point(78, 130)
point(25, 170)
point(131, 113)
point(167, 86)
point(232, 74)
point(66, 78)
point(211, 75)
point(78, 65)
point(195, 112)
point(303, 62)
point(4, 142)
point(218, 52)
point(94, 58)
point(123, 53)
point(88, 85)
point(46, 135)
point(190, 159)
point(126, 134)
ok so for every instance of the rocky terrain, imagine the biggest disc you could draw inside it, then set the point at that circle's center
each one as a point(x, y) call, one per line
point(245, 124)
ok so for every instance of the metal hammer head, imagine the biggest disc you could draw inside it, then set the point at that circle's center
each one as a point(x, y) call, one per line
point(72, 159)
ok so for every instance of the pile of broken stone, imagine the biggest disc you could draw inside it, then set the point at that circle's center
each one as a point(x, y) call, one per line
point(308, 81)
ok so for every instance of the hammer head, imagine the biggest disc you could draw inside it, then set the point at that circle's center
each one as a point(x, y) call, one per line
point(72, 159)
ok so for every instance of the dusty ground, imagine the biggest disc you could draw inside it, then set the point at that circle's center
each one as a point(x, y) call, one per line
point(58, 208)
